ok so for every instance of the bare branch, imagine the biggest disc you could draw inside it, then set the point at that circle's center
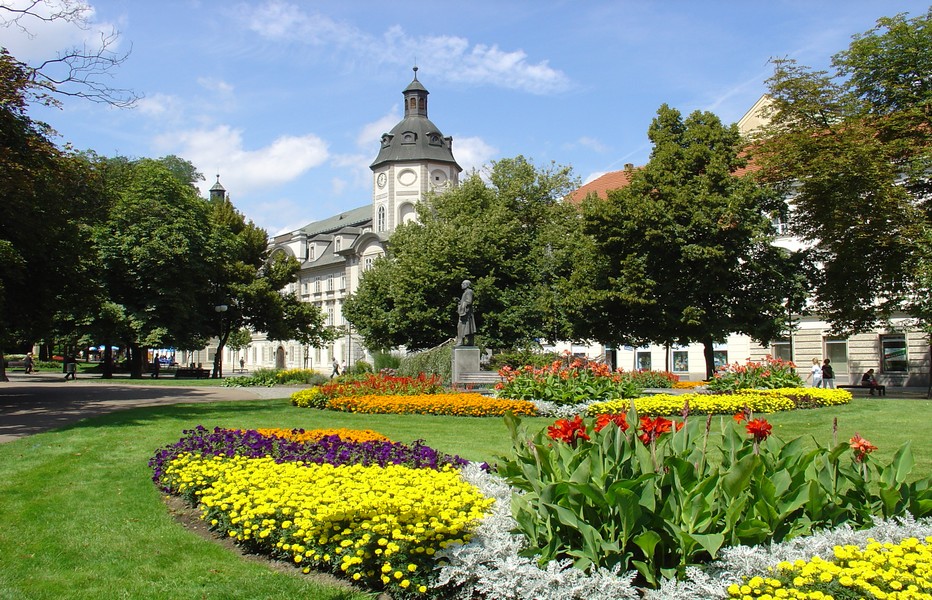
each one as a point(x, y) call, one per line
point(78, 72)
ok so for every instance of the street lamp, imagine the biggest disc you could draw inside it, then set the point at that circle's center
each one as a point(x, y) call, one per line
point(218, 371)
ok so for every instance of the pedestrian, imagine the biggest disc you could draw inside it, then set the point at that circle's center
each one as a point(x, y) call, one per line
point(71, 367)
point(28, 362)
point(815, 373)
point(336, 369)
point(343, 367)
point(828, 375)
point(242, 365)
point(156, 365)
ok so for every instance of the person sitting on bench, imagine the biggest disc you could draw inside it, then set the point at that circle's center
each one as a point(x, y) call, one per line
point(868, 380)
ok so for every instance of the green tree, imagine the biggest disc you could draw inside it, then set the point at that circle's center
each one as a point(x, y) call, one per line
point(46, 202)
point(852, 149)
point(511, 235)
point(684, 253)
point(153, 251)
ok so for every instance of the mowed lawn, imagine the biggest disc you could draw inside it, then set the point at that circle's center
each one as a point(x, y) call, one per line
point(80, 517)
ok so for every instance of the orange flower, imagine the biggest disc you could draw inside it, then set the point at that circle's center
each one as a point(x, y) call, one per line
point(861, 447)
point(760, 429)
point(602, 421)
point(568, 431)
point(651, 429)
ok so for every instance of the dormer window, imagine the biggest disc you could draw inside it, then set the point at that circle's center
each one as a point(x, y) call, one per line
point(386, 140)
point(408, 137)
point(434, 139)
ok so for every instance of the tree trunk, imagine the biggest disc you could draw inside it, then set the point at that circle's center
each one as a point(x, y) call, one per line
point(108, 361)
point(3, 376)
point(708, 351)
point(135, 361)
point(218, 357)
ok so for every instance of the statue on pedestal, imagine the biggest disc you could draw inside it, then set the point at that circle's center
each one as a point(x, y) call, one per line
point(466, 325)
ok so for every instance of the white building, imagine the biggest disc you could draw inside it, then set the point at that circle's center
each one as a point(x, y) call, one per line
point(413, 159)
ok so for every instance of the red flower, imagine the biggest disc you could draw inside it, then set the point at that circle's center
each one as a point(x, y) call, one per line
point(568, 431)
point(651, 429)
point(861, 447)
point(739, 417)
point(760, 429)
point(602, 421)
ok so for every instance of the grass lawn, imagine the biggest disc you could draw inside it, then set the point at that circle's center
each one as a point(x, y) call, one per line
point(80, 517)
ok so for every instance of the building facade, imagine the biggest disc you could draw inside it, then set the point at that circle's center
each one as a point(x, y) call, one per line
point(413, 159)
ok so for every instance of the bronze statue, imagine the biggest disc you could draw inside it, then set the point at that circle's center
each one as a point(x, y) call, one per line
point(466, 326)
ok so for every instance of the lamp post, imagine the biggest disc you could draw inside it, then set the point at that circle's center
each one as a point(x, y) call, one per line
point(218, 361)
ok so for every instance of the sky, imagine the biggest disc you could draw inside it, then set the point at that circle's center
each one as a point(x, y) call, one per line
point(286, 101)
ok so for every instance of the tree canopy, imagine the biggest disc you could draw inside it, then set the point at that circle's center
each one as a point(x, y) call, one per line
point(852, 148)
point(509, 233)
point(685, 252)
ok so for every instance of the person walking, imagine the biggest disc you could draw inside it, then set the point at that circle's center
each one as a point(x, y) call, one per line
point(336, 369)
point(815, 372)
point(71, 367)
point(828, 375)
point(29, 362)
point(156, 365)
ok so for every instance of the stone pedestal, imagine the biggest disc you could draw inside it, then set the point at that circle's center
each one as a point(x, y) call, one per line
point(465, 360)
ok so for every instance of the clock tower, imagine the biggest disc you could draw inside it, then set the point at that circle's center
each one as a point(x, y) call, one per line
point(414, 158)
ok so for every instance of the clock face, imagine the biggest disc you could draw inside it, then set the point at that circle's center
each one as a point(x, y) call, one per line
point(381, 179)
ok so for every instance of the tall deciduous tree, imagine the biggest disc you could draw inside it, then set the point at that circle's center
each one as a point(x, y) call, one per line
point(46, 200)
point(684, 253)
point(510, 235)
point(853, 147)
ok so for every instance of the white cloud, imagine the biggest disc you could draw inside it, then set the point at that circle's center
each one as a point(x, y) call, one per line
point(591, 143)
point(221, 148)
point(451, 57)
point(371, 133)
point(473, 153)
point(158, 104)
point(215, 85)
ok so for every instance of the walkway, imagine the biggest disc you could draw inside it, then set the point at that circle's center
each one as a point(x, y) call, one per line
point(42, 401)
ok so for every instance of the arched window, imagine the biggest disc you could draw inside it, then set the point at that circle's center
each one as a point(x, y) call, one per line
point(380, 219)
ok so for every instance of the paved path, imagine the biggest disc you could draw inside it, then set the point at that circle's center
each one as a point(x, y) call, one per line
point(39, 402)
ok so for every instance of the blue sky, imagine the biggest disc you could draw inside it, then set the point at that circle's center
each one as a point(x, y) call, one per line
point(287, 100)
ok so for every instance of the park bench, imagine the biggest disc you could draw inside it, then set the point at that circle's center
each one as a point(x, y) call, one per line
point(189, 373)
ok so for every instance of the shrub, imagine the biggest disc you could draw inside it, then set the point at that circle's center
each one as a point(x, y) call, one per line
point(385, 360)
point(307, 376)
point(652, 379)
point(263, 377)
point(520, 357)
point(627, 492)
point(770, 373)
point(565, 385)
point(360, 367)
point(309, 398)
point(436, 361)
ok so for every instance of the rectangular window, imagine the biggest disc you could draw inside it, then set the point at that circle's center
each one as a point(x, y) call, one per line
point(781, 349)
point(317, 285)
point(680, 361)
point(343, 281)
point(329, 283)
point(836, 350)
point(719, 359)
point(642, 360)
point(893, 348)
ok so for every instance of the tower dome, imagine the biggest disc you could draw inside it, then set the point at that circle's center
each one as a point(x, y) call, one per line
point(415, 138)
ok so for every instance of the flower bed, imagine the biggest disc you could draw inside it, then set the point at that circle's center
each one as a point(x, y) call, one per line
point(879, 570)
point(763, 401)
point(462, 405)
point(376, 522)
point(346, 435)
point(383, 385)
point(574, 383)
point(651, 500)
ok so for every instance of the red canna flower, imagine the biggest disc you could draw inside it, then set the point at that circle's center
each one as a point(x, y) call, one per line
point(861, 447)
point(602, 421)
point(651, 429)
point(568, 431)
point(760, 429)
point(739, 417)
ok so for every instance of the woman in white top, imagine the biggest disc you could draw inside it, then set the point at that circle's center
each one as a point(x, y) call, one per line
point(816, 373)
